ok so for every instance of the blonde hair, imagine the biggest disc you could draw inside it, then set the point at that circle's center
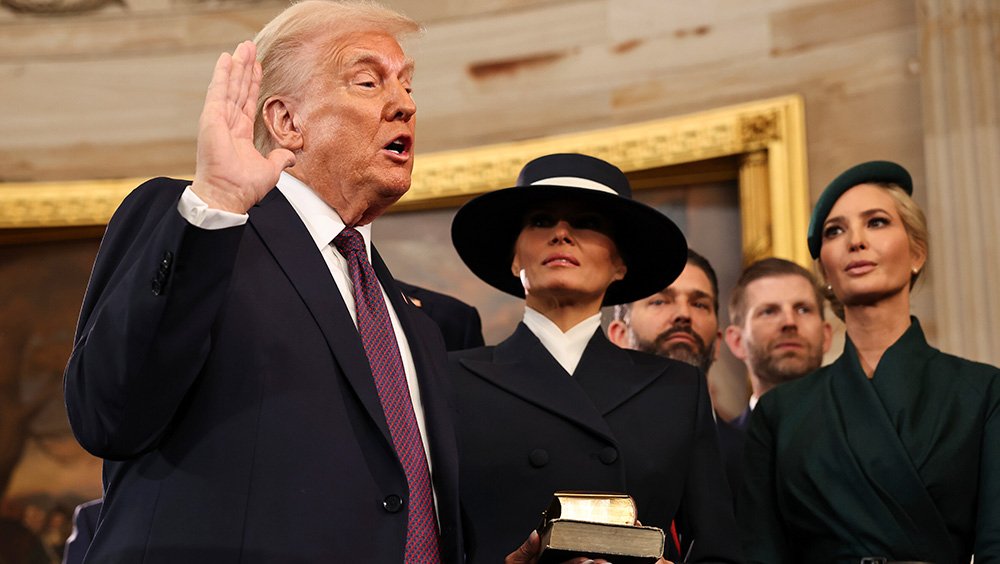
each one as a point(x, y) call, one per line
point(914, 222)
point(289, 47)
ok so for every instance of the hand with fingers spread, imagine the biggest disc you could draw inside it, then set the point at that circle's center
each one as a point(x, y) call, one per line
point(231, 174)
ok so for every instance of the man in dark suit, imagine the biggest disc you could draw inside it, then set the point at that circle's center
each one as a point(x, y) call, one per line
point(459, 322)
point(682, 322)
point(218, 366)
point(777, 326)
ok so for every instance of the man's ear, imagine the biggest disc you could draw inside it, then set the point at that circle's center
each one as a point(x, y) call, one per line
point(827, 336)
point(734, 340)
point(279, 117)
point(618, 334)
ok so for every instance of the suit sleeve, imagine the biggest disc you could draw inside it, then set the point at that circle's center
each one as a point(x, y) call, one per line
point(760, 521)
point(473, 329)
point(707, 510)
point(987, 546)
point(145, 326)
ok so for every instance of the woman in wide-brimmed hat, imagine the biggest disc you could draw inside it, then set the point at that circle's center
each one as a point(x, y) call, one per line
point(891, 453)
point(556, 406)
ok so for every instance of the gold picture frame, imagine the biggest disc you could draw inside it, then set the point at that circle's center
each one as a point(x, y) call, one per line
point(767, 139)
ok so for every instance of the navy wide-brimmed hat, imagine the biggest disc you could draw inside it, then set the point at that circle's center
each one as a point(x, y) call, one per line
point(871, 171)
point(486, 228)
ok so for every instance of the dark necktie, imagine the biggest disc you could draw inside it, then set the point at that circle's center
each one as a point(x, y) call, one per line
point(379, 340)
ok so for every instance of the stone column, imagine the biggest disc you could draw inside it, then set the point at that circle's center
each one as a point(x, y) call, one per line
point(960, 69)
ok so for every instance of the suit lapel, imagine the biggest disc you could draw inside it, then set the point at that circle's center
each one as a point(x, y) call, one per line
point(609, 376)
point(432, 397)
point(289, 242)
point(523, 367)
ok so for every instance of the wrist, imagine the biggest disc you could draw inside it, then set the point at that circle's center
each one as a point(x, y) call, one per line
point(217, 198)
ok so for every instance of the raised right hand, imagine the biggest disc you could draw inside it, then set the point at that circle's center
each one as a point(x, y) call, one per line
point(230, 173)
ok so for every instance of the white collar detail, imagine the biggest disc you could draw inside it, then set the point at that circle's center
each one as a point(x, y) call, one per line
point(568, 347)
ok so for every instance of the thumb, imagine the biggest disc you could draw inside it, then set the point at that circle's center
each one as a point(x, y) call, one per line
point(527, 553)
point(281, 158)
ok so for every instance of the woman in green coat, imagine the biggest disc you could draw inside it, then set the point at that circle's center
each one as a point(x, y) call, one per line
point(891, 453)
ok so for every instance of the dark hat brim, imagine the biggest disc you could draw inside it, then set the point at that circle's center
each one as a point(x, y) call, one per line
point(486, 228)
point(864, 173)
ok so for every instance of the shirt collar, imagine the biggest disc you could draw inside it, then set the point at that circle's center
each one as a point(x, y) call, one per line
point(322, 221)
point(568, 347)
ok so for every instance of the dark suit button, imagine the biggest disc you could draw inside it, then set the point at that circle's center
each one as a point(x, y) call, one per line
point(392, 503)
point(157, 288)
point(538, 457)
point(608, 455)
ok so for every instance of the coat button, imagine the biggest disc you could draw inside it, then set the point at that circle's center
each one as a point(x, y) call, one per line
point(608, 455)
point(392, 503)
point(538, 457)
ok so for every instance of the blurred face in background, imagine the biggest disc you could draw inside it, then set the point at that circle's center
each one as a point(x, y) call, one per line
point(783, 336)
point(679, 322)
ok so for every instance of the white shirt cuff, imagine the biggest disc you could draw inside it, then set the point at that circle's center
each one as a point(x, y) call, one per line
point(197, 213)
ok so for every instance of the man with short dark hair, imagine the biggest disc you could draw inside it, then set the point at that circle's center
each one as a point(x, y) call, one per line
point(778, 326)
point(682, 322)
point(679, 322)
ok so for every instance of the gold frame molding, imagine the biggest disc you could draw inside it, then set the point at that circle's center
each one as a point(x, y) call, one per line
point(767, 136)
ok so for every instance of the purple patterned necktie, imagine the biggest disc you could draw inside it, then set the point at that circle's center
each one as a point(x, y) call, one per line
point(379, 341)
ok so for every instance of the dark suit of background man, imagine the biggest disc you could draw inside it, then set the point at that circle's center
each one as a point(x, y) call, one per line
point(218, 368)
point(682, 322)
point(459, 322)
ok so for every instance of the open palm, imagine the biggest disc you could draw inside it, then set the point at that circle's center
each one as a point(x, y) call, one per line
point(231, 174)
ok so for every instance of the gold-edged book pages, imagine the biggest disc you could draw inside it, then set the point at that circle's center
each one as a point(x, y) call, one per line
point(597, 525)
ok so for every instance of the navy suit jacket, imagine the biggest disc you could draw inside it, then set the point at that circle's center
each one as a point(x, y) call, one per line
point(742, 423)
point(85, 520)
point(731, 441)
point(221, 378)
point(459, 322)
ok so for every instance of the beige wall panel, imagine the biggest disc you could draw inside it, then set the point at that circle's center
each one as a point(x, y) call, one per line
point(103, 36)
point(838, 21)
point(132, 82)
point(135, 99)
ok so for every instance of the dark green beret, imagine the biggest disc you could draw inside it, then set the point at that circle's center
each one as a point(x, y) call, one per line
point(869, 172)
